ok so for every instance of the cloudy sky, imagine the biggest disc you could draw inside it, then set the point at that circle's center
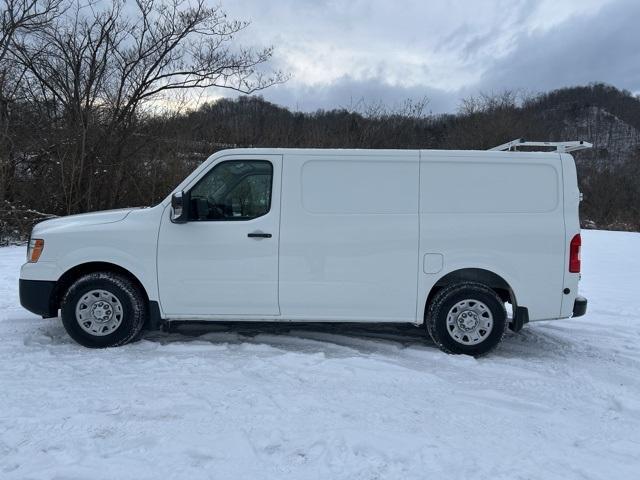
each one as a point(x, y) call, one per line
point(341, 52)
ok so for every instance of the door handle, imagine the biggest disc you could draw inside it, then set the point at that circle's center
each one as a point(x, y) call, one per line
point(258, 235)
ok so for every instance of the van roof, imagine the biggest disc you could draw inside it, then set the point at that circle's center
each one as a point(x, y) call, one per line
point(384, 152)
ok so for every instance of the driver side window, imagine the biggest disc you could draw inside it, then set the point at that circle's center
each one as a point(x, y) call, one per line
point(233, 190)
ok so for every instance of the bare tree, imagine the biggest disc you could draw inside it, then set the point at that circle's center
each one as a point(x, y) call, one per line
point(101, 65)
point(17, 17)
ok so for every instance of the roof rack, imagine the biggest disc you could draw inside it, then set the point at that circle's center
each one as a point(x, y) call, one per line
point(561, 147)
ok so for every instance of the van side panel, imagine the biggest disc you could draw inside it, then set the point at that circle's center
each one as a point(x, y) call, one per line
point(498, 212)
point(349, 236)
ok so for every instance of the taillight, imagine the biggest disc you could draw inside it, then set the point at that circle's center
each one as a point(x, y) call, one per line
point(574, 254)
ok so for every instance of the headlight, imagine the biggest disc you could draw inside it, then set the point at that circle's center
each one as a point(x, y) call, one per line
point(34, 250)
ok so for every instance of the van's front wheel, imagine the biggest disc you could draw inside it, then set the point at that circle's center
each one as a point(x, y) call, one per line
point(467, 318)
point(103, 309)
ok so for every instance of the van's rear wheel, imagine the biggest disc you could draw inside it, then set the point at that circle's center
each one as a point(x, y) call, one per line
point(467, 318)
point(103, 309)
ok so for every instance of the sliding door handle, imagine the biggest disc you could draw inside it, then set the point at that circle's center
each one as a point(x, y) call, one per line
point(258, 235)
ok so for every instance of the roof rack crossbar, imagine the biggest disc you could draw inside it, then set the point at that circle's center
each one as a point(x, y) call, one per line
point(561, 147)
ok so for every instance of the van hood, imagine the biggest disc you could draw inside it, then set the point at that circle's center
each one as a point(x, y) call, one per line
point(81, 220)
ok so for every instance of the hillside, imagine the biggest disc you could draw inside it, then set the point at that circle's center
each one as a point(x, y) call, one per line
point(601, 114)
point(609, 174)
point(140, 165)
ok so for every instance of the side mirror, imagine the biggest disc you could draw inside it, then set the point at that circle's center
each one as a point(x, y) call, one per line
point(179, 207)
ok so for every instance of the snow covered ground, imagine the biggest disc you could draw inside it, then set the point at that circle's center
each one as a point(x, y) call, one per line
point(558, 400)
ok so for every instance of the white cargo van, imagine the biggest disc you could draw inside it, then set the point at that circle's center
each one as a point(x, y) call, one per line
point(440, 239)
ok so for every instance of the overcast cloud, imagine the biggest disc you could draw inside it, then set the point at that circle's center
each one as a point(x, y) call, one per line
point(341, 52)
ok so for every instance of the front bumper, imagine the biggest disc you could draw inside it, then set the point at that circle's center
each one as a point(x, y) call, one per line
point(37, 297)
point(579, 307)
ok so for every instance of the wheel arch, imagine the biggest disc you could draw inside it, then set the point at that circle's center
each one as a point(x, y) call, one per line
point(478, 275)
point(74, 273)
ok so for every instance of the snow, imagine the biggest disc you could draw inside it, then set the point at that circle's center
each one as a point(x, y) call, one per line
point(559, 400)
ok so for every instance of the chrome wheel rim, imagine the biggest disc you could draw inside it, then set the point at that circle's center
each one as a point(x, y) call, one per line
point(469, 322)
point(99, 312)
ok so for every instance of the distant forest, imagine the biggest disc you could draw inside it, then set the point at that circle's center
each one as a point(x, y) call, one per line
point(77, 133)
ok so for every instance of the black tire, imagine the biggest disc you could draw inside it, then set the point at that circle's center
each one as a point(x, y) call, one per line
point(445, 300)
point(132, 300)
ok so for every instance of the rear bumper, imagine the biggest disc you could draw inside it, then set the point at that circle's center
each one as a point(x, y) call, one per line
point(579, 306)
point(36, 296)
